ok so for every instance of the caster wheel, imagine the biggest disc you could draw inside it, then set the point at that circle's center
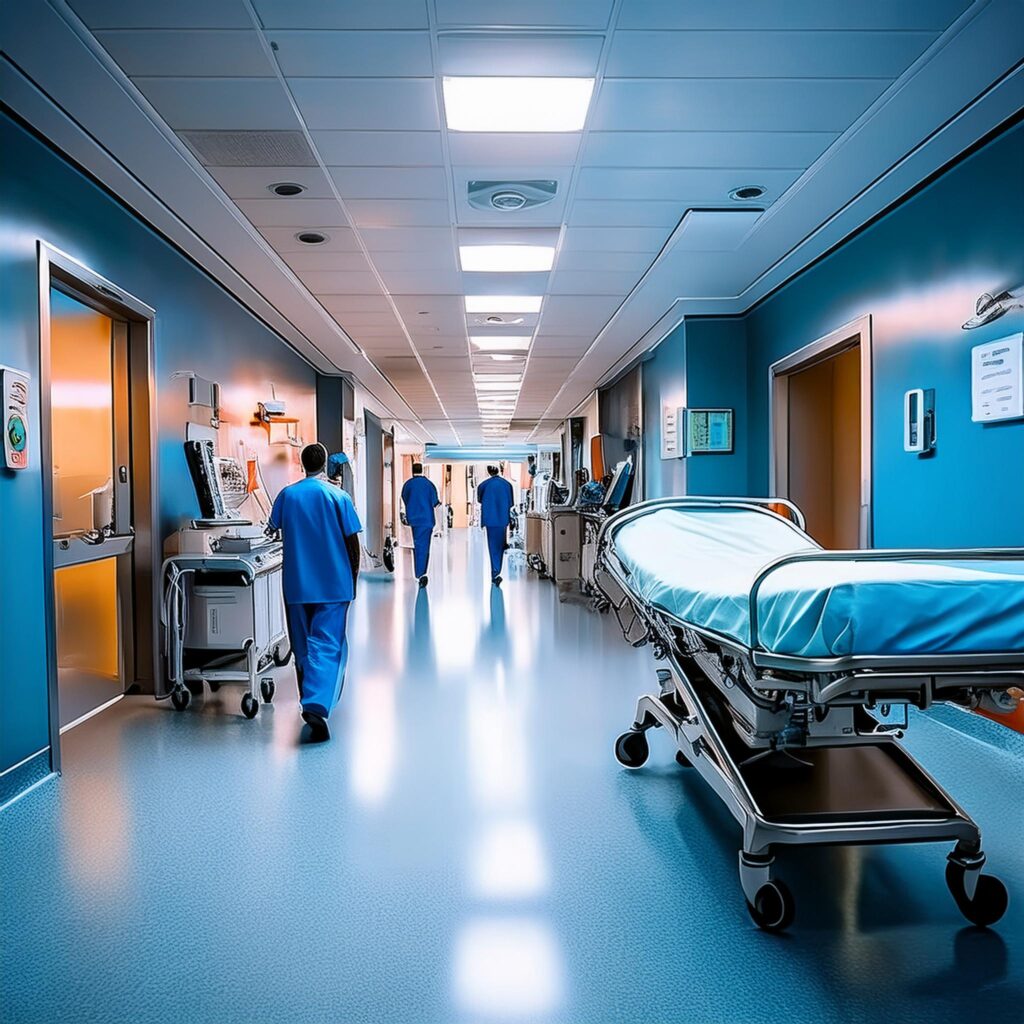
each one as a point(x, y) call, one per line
point(682, 760)
point(773, 908)
point(181, 698)
point(195, 688)
point(250, 706)
point(631, 749)
point(214, 687)
point(280, 659)
point(267, 689)
point(990, 896)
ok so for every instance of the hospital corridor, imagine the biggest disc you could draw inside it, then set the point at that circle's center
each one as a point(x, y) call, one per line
point(511, 513)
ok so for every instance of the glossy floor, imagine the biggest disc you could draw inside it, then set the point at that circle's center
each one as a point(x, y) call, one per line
point(466, 850)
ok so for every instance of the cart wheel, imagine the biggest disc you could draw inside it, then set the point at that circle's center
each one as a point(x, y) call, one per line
point(250, 706)
point(631, 749)
point(773, 908)
point(682, 760)
point(195, 687)
point(267, 689)
point(990, 896)
point(180, 698)
point(280, 660)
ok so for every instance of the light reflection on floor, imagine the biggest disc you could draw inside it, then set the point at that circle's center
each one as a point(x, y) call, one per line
point(465, 850)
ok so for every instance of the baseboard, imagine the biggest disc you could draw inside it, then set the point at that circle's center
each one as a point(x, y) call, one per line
point(24, 775)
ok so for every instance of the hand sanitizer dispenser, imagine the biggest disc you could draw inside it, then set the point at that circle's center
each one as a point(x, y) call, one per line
point(919, 421)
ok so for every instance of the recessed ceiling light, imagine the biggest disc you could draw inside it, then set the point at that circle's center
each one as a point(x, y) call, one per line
point(474, 104)
point(287, 188)
point(745, 193)
point(501, 357)
point(506, 378)
point(504, 303)
point(312, 237)
point(513, 343)
point(506, 258)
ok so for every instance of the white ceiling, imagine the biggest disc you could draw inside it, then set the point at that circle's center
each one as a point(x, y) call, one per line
point(691, 101)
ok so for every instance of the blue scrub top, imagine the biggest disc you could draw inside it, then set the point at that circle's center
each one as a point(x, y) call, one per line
point(419, 495)
point(496, 499)
point(314, 518)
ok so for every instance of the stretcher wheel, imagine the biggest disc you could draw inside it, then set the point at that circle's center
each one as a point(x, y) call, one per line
point(250, 706)
point(280, 659)
point(632, 749)
point(773, 908)
point(267, 689)
point(990, 896)
point(180, 698)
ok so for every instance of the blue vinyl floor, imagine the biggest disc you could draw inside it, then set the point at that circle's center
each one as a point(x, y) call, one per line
point(466, 850)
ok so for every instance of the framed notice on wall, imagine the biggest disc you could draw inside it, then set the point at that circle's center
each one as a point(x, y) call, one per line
point(709, 431)
point(996, 387)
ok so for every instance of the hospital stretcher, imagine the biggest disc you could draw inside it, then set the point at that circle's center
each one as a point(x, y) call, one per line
point(784, 662)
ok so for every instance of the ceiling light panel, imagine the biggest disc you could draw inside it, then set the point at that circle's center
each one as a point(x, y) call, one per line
point(503, 303)
point(483, 385)
point(516, 104)
point(506, 258)
point(513, 343)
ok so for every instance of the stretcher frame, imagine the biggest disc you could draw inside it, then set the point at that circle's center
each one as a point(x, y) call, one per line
point(713, 685)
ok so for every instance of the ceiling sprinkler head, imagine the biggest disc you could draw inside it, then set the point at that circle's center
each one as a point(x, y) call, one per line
point(508, 199)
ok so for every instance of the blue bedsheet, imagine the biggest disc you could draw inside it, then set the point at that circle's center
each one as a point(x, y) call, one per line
point(700, 565)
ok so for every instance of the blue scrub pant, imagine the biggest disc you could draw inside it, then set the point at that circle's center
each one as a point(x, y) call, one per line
point(421, 548)
point(496, 536)
point(321, 653)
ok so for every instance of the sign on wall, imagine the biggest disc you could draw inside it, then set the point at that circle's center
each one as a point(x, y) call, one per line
point(996, 391)
point(709, 431)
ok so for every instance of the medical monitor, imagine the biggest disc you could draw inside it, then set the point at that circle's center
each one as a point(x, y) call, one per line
point(618, 490)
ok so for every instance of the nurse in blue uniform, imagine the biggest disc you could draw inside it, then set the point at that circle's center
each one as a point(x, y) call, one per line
point(496, 499)
point(419, 496)
point(320, 530)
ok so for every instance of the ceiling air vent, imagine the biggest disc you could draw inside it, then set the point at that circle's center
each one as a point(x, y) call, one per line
point(250, 149)
point(509, 196)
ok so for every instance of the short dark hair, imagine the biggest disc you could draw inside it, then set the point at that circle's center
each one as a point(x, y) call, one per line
point(493, 470)
point(417, 468)
point(314, 458)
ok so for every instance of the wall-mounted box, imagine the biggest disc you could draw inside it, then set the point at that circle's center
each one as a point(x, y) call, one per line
point(919, 420)
point(14, 388)
point(673, 418)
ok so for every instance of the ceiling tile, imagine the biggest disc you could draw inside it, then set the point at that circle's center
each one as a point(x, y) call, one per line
point(340, 283)
point(443, 260)
point(390, 182)
point(379, 148)
point(733, 104)
point(397, 239)
point(402, 14)
point(317, 259)
point(355, 54)
point(403, 104)
point(744, 54)
point(520, 54)
point(593, 282)
point(340, 305)
point(638, 239)
point(180, 14)
point(255, 182)
point(420, 282)
point(626, 213)
point(194, 52)
point(513, 149)
point(297, 213)
point(525, 13)
point(248, 104)
point(693, 185)
point(284, 240)
point(705, 149)
point(794, 14)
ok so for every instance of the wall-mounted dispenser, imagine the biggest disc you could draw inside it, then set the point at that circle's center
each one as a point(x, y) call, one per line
point(15, 399)
point(919, 421)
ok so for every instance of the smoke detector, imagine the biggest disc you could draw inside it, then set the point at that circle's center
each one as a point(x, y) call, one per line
point(509, 196)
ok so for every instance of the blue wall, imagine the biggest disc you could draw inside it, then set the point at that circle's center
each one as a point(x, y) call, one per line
point(664, 383)
point(917, 272)
point(198, 327)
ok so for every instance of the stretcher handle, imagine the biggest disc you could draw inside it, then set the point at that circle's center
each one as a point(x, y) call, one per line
point(872, 555)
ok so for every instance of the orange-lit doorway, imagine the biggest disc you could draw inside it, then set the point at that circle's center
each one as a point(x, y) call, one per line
point(97, 469)
point(821, 435)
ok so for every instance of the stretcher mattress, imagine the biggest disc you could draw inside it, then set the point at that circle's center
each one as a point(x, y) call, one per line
point(700, 565)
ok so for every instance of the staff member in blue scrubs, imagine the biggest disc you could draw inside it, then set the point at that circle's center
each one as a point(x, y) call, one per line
point(419, 496)
point(496, 499)
point(320, 530)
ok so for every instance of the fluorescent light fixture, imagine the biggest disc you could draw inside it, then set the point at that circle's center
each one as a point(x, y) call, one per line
point(508, 389)
point(474, 104)
point(513, 343)
point(503, 303)
point(502, 358)
point(504, 378)
point(506, 258)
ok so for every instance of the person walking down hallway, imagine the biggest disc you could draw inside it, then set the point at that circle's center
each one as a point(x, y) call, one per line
point(419, 496)
point(496, 499)
point(320, 530)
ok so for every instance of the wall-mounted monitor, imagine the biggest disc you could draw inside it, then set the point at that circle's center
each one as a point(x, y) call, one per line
point(709, 431)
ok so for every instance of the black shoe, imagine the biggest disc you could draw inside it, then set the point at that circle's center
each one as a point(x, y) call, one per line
point(423, 581)
point(496, 581)
point(319, 731)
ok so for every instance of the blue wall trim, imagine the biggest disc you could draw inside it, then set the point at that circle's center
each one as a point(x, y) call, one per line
point(24, 775)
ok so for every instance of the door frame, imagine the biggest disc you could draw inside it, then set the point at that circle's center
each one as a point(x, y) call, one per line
point(856, 332)
point(59, 269)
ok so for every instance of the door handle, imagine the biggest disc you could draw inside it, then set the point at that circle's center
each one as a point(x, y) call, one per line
point(122, 474)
